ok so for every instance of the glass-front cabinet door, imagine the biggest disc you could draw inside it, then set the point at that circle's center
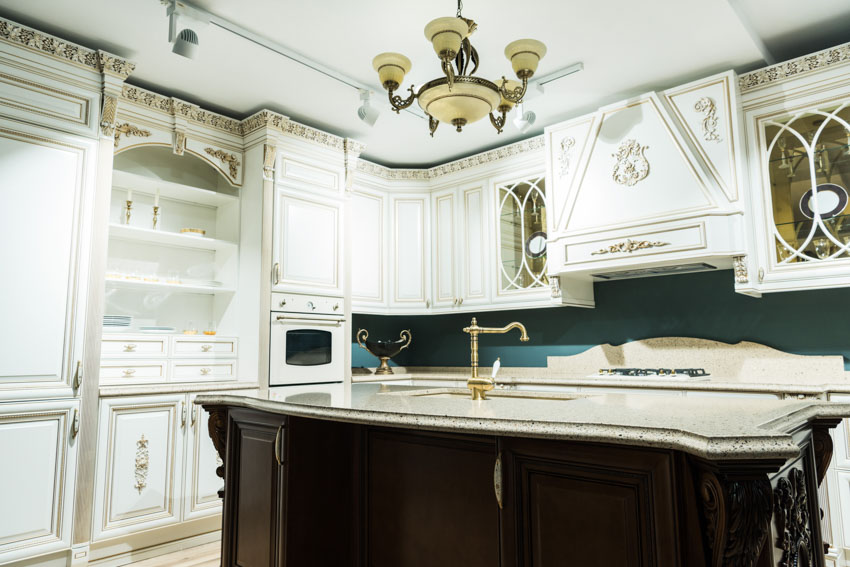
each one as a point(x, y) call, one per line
point(521, 233)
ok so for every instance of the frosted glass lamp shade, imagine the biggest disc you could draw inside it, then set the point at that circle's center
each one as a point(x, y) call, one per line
point(524, 55)
point(469, 100)
point(391, 68)
point(445, 34)
point(509, 86)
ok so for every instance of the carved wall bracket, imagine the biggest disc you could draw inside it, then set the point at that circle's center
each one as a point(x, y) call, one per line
point(269, 155)
point(142, 464)
point(230, 160)
point(631, 164)
point(129, 130)
point(629, 246)
point(555, 285)
point(708, 109)
point(740, 265)
point(179, 142)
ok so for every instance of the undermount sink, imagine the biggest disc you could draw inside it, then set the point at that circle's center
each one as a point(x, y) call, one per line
point(460, 393)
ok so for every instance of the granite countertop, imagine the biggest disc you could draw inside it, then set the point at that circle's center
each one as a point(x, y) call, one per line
point(706, 427)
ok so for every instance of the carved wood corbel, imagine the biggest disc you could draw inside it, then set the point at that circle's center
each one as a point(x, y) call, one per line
point(822, 445)
point(217, 428)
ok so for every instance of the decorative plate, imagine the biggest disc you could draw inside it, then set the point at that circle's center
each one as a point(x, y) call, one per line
point(831, 201)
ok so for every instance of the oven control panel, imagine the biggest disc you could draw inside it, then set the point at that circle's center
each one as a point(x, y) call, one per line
point(307, 304)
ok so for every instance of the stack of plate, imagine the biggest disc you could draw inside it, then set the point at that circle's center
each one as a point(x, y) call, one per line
point(117, 322)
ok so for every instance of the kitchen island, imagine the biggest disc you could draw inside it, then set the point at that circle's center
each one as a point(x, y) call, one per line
point(401, 477)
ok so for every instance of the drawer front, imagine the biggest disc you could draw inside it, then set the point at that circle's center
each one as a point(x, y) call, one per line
point(639, 244)
point(131, 346)
point(202, 370)
point(132, 371)
point(204, 347)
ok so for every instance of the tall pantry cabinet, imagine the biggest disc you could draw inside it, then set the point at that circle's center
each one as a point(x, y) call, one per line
point(57, 112)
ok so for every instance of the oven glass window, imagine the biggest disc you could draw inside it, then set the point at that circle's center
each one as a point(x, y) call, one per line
point(307, 347)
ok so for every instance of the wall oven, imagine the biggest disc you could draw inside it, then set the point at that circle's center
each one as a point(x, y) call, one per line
point(307, 340)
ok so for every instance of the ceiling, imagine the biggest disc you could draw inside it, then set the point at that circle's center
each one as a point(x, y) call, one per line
point(627, 47)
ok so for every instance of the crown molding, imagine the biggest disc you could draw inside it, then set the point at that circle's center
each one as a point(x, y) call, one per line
point(794, 68)
point(511, 150)
point(100, 61)
point(177, 107)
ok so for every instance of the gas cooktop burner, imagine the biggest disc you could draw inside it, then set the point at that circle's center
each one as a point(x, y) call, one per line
point(666, 372)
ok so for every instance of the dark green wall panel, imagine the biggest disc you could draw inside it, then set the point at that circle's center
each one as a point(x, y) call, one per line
point(693, 305)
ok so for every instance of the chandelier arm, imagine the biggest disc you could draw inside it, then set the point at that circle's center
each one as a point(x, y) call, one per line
point(432, 124)
point(449, 71)
point(399, 103)
point(513, 95)
point(498, 123)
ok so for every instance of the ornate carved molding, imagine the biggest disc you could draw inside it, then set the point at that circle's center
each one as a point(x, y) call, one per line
point(263, 119)
point(555, 285)
point(269, 156)
point(707, 107)
point(512, 150)
point(108, 110)
point(230, 160)
point(567, 147)
point(794, 68)
point(129, 130)
point(631, 165)
point(629, 246)
point(793, 523)
point(217, 428)
point(740, 265)
point(179, 143)
point(142, 463)
point(99, 61)
point(177, 107)
point(737, 518)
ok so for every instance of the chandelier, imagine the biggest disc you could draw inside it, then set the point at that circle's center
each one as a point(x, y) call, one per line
point(460, 98)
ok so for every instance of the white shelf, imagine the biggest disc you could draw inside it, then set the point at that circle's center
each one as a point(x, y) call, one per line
point(169, 189)
point(142, 285)
point(164, 238)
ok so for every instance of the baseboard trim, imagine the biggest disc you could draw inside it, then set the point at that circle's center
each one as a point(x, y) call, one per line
point(145, 545)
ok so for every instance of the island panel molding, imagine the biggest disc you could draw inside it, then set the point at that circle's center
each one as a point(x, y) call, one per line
point(794, 68)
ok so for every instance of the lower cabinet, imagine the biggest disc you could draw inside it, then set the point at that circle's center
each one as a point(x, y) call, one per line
point(155, 465)
point(38, 445)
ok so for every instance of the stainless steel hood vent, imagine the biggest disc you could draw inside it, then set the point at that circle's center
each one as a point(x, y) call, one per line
point(656, 271)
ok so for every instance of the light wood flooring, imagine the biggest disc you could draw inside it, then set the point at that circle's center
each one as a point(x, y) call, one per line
point(207, 555)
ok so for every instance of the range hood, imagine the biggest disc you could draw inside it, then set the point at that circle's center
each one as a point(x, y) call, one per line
point(648, 186)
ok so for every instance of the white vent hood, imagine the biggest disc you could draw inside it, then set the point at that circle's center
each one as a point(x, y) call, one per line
point(647, 184)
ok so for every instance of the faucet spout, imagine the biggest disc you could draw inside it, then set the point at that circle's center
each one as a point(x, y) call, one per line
point(477, 384)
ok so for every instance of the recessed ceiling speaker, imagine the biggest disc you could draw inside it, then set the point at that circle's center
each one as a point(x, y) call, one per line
point(186, 44)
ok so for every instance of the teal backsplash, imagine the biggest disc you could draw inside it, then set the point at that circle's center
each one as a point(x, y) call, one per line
point(700, 305)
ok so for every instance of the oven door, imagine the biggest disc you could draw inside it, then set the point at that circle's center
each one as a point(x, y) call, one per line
point(306, 349)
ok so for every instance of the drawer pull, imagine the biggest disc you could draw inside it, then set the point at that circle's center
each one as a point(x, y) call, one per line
point(75, 424)
point(194, 415)
point(78, 375)
point(205, 371)
point(497, 480)
point(182, 414)
point(277, 445)
point(206, 348)
point(129, 371)
point(276, 274)
point(130, 347)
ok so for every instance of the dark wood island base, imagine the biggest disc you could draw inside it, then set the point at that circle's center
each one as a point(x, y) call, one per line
point(302, 492)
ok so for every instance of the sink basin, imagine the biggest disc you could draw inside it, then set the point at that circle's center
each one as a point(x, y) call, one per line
point(461, 393)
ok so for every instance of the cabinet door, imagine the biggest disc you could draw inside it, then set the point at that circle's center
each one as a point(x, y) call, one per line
point(472, 246)
point(139, 468)
point(444, 207)
point(307, 245)
point(410, 252)
point(37, 441)
point(44, 218)
point(202, 484)
point(368, 265)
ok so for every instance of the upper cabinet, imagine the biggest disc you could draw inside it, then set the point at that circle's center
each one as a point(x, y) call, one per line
point(649, 185)
point(410, 249)
point(799, 144)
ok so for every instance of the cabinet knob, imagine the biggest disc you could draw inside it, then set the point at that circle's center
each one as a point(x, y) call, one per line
point(129, 347)
point(455, 301)
point(129, 371)
point(282, 302)
point(336, 306)
point(206, 348)
point(460, 301)
point(205, 371)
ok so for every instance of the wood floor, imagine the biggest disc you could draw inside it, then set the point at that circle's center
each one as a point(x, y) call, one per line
point(208, 555)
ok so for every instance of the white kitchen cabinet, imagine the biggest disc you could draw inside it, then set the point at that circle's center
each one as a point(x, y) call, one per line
point(201, 483)
point(368, 246)
point(38, 444)
point(47, 194)
point(140, 464)
point(410, 244)
point(307, 248)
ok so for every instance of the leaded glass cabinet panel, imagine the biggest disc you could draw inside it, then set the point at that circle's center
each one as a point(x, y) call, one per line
point(521, 222)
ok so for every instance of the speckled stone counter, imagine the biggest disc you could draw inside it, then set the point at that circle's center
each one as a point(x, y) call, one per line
point(709, 428)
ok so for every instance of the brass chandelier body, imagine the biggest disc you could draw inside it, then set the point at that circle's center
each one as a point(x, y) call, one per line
point(459, 97)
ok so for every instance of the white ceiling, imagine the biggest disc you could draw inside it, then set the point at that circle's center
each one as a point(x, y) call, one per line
point(627, 47)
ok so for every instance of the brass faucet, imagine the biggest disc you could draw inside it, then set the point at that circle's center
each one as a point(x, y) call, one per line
point(477, 384)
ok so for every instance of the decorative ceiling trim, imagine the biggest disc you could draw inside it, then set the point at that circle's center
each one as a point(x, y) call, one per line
point(100, 61)
point(518, 148)
point(794, 68)
point(177, 107)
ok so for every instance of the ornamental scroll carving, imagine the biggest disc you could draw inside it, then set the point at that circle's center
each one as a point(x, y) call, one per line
point(555, 286)
point(179, 142)
point(567, 147)
point(230, 160)
point(142, 464)
point(740, 265)
point(794, 536)
point(631, 165)
point(708, 109)
point(269, 155)
point(107, 114)
point(629, 246)
point(129, 130)
point(737, 518)
point(217, 428)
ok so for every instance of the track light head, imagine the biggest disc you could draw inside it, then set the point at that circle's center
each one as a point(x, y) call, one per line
point(524, 119)
point(186, 44)
point(367, 113)
point(185, 25)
